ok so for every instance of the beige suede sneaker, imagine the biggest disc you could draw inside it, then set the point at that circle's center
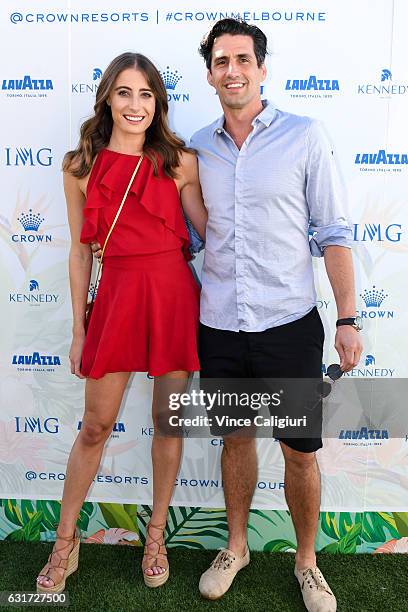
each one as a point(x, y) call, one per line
point(317, 595)
point(218, 578)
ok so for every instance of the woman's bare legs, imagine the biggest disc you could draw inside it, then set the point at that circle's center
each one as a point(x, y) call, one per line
point(103, 398)
point(166, 454)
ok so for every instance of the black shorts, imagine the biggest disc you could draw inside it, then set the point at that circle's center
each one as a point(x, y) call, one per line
point(293, 350)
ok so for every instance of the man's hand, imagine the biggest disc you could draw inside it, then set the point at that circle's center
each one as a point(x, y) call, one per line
point(349, 347)
point(96, 249)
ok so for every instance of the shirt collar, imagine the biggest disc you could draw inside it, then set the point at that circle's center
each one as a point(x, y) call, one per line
point(266, 117)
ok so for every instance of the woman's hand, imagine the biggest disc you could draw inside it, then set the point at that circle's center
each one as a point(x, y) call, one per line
point(75, 353)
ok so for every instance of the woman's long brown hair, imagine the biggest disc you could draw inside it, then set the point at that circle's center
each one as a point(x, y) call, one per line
point(95, 132)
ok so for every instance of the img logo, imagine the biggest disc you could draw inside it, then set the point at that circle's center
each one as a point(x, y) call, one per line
point(88, 87)
point(26, 87)
point(171, 78)
point(376, 232)
point(315, 87)
point(37, 425)
point(369, 370)
point(36, 362)
point(384, 87)
point(34, 297)
point(373, 299)
point(31, 224)
point(22, 156)
point(381, 161)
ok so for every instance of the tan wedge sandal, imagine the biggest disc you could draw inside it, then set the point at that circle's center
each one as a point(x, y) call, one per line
point(159, 559)
point(69, 565)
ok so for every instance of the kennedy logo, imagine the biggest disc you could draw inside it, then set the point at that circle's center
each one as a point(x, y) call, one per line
point(171, 78)
point(37, 425)
point(34, 297)
point(23, 156)
point(314, 86)
point(381, 161)
point(385, 87)
point(373, 299)
point(36, 362)
point(370, 370)
point(88, 87)
point(377, 232)
point(31, 222)
point(27, 87)
point(386, 74)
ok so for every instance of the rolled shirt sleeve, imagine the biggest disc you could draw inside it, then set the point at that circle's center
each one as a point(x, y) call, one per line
point(325, 194)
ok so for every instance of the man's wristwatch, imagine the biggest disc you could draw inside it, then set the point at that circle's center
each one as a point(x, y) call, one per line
point(355, 322)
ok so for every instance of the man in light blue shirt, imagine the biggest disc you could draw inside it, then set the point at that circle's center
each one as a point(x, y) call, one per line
point(269, 178)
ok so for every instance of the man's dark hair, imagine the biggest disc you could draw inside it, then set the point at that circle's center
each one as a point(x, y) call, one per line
point(234, 27)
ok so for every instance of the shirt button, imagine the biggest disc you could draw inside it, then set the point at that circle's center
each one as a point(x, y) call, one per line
point(219, 131)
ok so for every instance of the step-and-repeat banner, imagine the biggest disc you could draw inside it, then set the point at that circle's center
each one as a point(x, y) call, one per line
point(344, 63)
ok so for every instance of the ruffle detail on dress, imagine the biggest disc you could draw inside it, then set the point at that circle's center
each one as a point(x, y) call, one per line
point(157, 194)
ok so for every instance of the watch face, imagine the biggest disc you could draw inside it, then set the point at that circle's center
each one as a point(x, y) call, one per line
point(358, 322)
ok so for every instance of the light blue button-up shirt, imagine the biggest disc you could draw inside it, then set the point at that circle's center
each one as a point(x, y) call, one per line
point(263, 201)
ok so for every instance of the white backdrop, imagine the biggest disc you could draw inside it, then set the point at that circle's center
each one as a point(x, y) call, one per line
point(52, 60)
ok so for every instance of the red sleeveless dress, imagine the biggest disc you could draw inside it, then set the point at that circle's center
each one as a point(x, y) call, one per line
point(145, 316)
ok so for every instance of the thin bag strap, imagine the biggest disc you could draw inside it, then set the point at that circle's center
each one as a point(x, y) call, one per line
point(114, 223)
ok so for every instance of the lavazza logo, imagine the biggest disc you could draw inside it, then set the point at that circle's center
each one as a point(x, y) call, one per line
point(171, 79)
point(363, 436)
point(34, 297)
point(88, 87)
point(373, 300)
point(36, 362)
point(384, 87)
point(377, 232)
point(27, 156)
point(312, 87)
point(381, 161)
point(31, 223)
point(118, 428)
point(27, 87)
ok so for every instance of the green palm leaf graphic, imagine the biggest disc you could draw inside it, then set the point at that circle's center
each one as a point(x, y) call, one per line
point(279, 546)
point(31, 532)
point(348, 543)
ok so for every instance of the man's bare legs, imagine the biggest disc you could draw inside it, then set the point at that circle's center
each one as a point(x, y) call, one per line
point(239, 473)
point(302, 492)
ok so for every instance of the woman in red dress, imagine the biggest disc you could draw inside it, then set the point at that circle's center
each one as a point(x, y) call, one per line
point(145, 315)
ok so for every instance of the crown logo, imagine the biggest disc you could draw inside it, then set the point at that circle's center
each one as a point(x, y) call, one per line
point(374, 297)
point(170, 78)
point(97, 73)
point(34, 285)
point(386, 75)
point(29, 221)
